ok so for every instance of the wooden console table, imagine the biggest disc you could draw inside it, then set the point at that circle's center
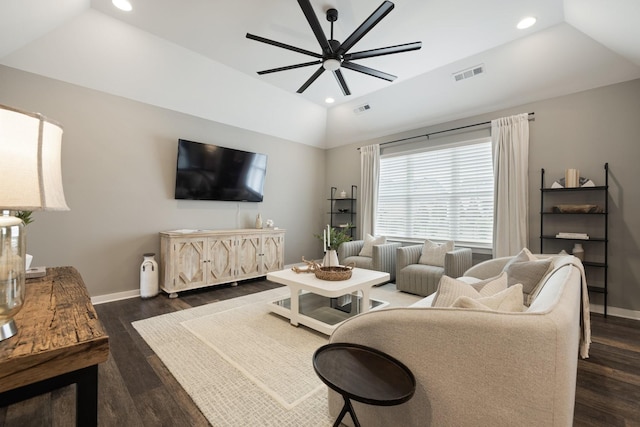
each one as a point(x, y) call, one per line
point(60, 341)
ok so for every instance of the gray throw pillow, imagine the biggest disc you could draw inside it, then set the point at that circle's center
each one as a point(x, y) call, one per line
point(529, 273)
point(524, 255)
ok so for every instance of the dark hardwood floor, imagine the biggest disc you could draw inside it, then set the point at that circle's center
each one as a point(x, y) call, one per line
point(137, 390)
point(608, 386)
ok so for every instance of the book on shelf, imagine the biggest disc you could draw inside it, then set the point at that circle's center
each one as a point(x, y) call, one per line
point(562, 235)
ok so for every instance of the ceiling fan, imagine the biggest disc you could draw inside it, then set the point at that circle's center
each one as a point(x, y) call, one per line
point(334, 54)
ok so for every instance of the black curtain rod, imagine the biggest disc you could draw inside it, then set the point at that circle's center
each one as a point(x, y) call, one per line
point(443, 131)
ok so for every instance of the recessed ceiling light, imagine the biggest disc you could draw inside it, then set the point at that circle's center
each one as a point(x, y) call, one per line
point(526, 22)
point(329, 100)
point(122, 5)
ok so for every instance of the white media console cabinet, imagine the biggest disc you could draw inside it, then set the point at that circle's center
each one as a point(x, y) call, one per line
point(191, 259)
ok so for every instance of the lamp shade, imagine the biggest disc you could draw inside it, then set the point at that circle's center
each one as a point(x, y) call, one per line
point(30, 161)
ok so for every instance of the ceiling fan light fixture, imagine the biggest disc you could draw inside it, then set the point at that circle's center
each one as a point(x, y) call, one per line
point(525, 23)
point(335, 55)
point(331, 64)
point(123, 5)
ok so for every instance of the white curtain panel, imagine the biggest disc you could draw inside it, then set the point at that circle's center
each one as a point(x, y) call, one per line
point(369, 176)
point(510, 139)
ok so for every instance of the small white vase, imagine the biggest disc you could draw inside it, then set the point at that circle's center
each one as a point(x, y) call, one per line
point(259, 221)
point(330, 259)
point(578, 251)
point(149, 276)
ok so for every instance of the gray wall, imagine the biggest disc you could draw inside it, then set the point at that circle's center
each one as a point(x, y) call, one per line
point(581, 131)
point(119, 159)
point(119, 171)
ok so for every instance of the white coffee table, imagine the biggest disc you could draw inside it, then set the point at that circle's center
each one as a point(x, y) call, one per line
point(323, 304)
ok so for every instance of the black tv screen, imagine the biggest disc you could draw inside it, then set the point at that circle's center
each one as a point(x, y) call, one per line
point(211, 172)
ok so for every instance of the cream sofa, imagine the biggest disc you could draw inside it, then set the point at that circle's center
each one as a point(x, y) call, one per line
point(482, 368)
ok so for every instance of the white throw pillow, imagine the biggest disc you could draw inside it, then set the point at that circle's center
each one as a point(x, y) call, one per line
point(449, 289)
point(433, 253)
point(369, 243)
point(508, 300)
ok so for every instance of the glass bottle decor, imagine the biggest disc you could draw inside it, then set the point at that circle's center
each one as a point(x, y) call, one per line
point(12, 272)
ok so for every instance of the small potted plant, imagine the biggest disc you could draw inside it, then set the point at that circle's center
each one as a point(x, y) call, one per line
point(25, 216)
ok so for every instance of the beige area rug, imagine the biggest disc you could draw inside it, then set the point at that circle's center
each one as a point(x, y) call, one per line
point(244, 366)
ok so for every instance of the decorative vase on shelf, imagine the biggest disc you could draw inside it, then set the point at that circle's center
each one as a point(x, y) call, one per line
point(259, 221)
point(578, 251)
point(330, 259)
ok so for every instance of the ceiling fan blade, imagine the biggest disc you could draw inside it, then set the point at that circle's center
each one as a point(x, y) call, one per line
point(342, 83)
point(289, 67)
point(383, 51)
point(382, 11)
point(282, 45)
point(307, 9)
point(369, 71)
point(311, 80)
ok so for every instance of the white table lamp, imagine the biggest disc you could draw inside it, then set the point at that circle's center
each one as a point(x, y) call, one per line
point(30, 179)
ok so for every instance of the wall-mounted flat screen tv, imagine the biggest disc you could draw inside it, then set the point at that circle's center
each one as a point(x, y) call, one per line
point(212, 172)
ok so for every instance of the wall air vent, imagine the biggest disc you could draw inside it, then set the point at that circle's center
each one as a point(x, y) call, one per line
point(362, 108)
point(468, 73)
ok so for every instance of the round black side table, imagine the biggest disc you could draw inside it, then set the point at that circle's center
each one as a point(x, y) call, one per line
point(363, 374)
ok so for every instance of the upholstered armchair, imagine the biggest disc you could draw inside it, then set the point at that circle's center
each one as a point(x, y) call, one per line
point(422, 279)
point(383, 257)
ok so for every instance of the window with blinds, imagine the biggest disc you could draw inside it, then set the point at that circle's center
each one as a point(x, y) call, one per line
point(443, 193)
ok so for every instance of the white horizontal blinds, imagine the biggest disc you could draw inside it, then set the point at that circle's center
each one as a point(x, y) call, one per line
point(443, 193)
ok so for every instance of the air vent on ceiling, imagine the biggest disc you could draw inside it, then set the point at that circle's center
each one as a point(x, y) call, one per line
point(468, 73)
point(362, 108)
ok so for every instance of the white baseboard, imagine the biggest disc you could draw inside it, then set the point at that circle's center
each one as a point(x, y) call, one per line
point(615, 311)
point(101, 299)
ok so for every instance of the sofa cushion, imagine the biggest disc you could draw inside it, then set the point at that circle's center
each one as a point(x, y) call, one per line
point(369, 242)
point(434, 253)
point(359, 261)
point(450, 289)
point(508, 300)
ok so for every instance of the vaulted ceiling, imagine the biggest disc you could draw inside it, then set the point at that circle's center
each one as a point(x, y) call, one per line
point(192, 56)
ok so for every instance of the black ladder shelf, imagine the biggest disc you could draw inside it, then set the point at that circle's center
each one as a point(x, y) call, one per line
point(341, 208)
point(597, 245)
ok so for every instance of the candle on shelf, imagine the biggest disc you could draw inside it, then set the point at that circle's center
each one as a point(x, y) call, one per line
point(328, 236)
point(571, 178)
point(324, 240)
